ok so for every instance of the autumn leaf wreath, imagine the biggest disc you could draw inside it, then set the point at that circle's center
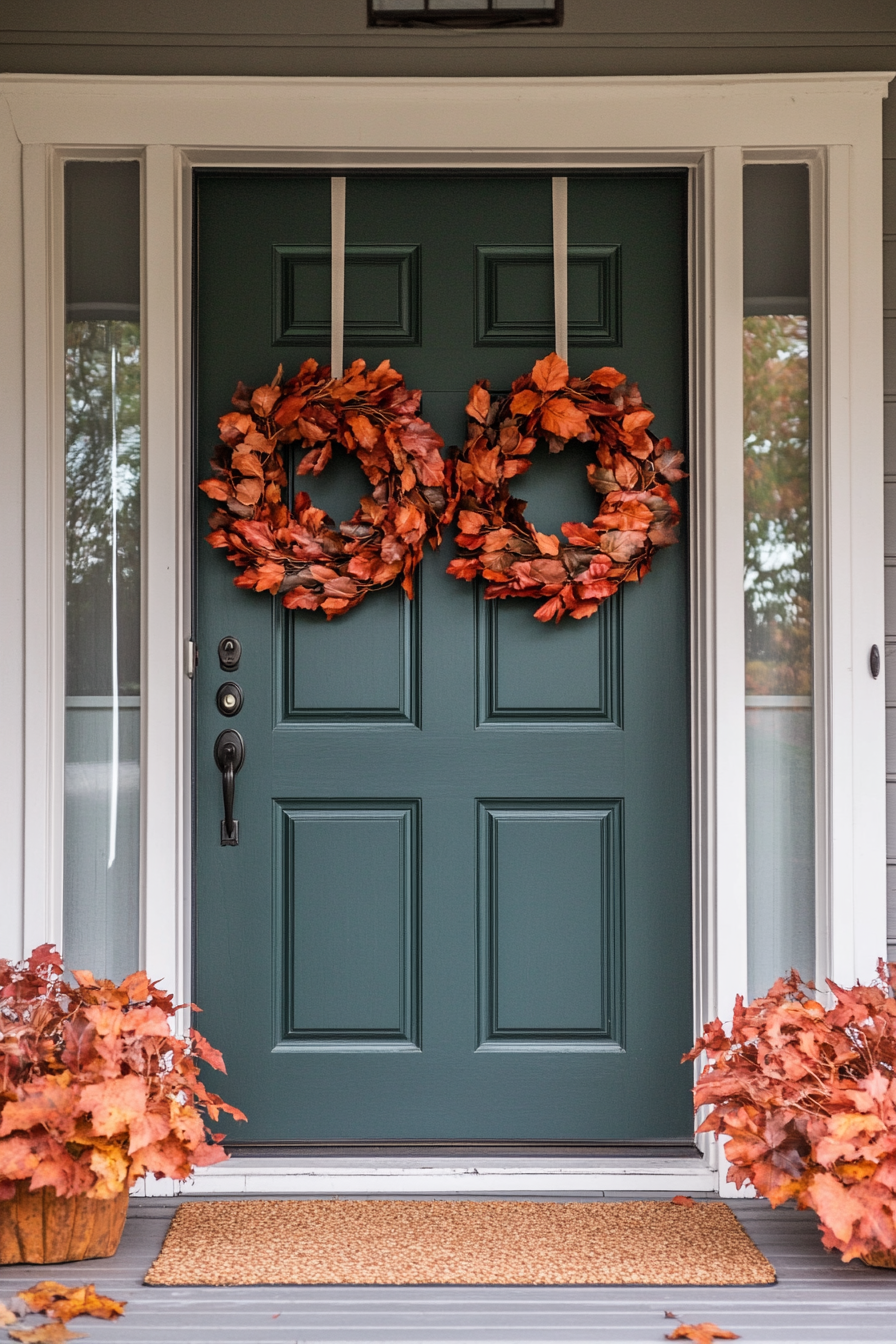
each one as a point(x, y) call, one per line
point(632, 472)
point(303, 555)
point(313, 563)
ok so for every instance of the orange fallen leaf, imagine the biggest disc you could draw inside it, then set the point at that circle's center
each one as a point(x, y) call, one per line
point(702, 1333)
point(58, 1300)
point(684, 1200)
point(54, 1332)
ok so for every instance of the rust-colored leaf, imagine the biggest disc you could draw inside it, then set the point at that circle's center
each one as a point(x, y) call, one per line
point(703, 1333)
point(53, 1332)
point(562, 417)
point(551, 373)
point(606, 377)
point(63, 1302)
point(479, 403)
point(264, 399)
point(525, 402)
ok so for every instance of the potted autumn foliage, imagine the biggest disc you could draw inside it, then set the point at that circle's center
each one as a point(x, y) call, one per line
point(95, 1092)
point(806, 1098)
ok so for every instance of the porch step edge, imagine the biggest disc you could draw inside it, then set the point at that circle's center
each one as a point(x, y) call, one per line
point(349, 1176)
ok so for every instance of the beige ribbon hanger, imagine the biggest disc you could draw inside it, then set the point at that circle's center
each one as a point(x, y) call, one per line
point(561, 268)
point(337, 275)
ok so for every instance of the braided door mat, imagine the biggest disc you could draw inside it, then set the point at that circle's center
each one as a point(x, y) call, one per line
point(413, 1241)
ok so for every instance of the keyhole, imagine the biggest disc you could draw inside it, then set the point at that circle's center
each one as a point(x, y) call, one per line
point(229, 698)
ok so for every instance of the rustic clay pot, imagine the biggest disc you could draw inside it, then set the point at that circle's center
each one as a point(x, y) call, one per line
point(39, 1228)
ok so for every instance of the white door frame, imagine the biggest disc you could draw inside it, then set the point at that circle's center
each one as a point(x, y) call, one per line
point(712, 124)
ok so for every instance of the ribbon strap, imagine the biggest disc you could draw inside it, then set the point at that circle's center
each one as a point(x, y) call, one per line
point(337, 274)
point(561, 282)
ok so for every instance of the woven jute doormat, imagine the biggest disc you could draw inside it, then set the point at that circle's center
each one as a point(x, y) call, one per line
point(301, 1241)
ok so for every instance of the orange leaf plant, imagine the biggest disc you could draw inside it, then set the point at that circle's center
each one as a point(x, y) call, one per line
point(303, 555)
point(632, 471)
point(806, 1097)
point(95, 1091)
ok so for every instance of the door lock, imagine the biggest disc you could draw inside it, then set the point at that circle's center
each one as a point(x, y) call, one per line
point(230, 650)
point(229, 698)
point(230, 752)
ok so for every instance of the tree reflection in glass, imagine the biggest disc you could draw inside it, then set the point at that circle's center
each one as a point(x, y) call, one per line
point(778, 630)
point(102, 822)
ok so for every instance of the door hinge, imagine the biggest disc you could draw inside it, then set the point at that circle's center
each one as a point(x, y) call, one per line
point(191, 657)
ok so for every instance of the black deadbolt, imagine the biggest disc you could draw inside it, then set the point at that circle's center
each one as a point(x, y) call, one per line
point(874, 661)
point(230, 651)
point(229, 698)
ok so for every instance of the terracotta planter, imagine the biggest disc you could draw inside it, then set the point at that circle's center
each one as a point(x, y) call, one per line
point(39, 1228)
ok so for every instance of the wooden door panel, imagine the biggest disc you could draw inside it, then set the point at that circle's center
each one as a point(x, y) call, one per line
point(349, 923)
point(519, 660)
point(464, 859)
point(366, 670)
point(550, 921)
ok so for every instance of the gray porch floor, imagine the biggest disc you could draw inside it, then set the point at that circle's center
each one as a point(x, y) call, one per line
point(818, 1299)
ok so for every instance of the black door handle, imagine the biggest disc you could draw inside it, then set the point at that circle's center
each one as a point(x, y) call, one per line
point(230, 752)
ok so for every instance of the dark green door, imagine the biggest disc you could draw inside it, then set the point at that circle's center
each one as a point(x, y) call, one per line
point(460, 907)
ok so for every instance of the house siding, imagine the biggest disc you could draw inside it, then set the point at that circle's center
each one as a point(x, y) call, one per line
point(641, 37)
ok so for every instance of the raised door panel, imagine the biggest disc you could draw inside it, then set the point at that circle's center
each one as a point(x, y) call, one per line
point(349, 924)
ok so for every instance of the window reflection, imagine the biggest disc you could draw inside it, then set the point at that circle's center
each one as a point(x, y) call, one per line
point(101, 856)
point(778, 575)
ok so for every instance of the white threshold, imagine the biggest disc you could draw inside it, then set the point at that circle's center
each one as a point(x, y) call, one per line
point(384, 1176)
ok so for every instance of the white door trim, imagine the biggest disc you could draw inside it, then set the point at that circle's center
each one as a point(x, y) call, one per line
point(710, 123)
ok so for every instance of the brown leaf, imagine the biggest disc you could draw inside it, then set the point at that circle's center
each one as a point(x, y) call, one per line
point(606, 377)
point(684, 1200)
point(562, 417)
point(264, 399)
point(247, 464)
point(550, 373)
point(480, 402)
point(547, 544)
point(58, 1300)
point(525, 402)
point(626, 472)
point(54, 1332)
point(703, 1333)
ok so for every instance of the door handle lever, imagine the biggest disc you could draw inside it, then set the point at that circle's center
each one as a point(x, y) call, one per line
point(230, 752)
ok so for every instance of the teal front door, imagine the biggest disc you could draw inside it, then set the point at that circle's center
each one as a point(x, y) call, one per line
point(460, 906)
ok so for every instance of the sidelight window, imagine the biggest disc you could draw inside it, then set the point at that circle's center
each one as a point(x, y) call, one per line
point(101, 877)
point(778, 589)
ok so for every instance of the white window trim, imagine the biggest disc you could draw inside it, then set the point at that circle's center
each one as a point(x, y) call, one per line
point(711, 124)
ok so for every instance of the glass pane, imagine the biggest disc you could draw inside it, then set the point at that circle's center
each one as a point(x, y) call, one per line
point(101, 881)
point(778, 575)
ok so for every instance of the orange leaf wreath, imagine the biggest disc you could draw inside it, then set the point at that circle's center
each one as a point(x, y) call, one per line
point(303, 555)
point(633, 471)
point(806, 1097)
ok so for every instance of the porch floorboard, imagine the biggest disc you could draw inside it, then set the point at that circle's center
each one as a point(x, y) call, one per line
point(818, 1300)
